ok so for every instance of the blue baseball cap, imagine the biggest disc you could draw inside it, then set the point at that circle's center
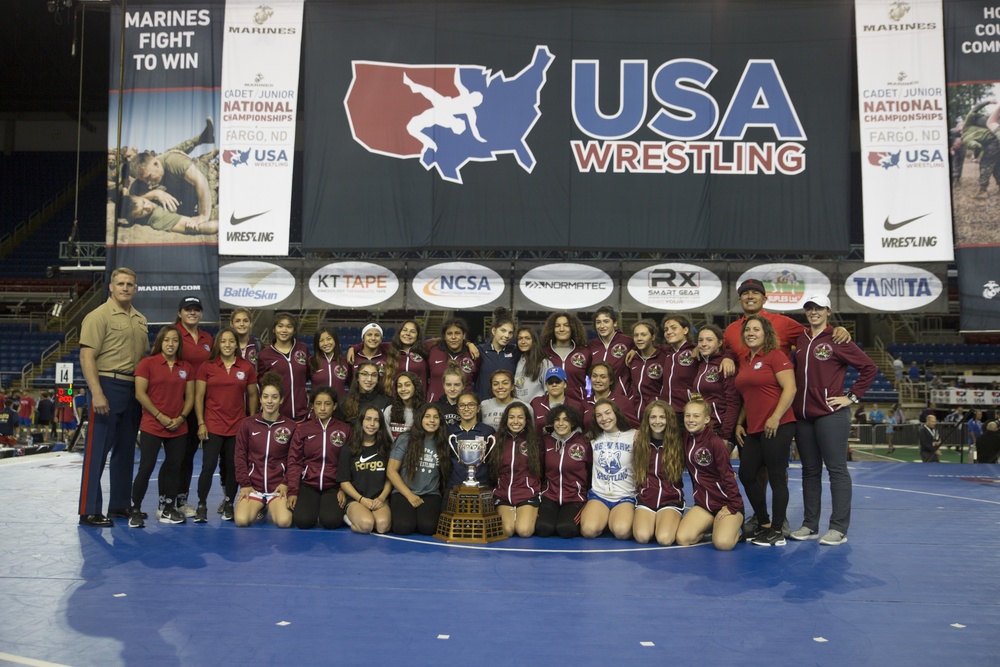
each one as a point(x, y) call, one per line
point(555, 372)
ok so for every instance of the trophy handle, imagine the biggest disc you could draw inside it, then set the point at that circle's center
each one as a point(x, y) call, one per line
point(453, 445)
point(493, 443)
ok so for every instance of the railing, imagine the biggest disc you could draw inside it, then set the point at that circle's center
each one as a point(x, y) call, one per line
point(883, 439)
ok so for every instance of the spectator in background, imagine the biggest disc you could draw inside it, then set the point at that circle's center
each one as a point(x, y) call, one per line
point(8, 422)
point(897, 417)
point(897, 370)
point(955, 416)
point(931, 409)
point(914, 372)
point(45, 415)
point(930, 440)
point(988, 445)
point(975, 427)
point(876, 416)
point(25, 414)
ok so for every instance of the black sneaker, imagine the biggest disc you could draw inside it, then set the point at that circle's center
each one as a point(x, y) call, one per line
point(769, 538)
point(135, 518)
point(201, 514)
point(171, 515)
point(227, 512)
point(221, 508)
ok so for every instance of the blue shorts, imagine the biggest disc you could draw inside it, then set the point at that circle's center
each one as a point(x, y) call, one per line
point(611, 504)
point(24, 421)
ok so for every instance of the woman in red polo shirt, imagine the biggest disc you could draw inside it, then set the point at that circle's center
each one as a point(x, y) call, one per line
point(197, 344)
point(765, 426)
point(165, 390)
point(225, 391)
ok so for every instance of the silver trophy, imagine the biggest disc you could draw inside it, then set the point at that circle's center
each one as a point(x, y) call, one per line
point(471, 452)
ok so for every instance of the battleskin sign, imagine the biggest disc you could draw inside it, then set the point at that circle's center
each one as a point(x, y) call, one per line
point(631, 125)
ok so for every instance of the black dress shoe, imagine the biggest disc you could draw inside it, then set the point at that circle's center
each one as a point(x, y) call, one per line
point(96, 521)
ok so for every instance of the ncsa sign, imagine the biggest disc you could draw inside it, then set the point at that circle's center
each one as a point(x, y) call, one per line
point(458, 285)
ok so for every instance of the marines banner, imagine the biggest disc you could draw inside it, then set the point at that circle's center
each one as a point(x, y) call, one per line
point(163, 183)
point(260, 77)
point(576, 125)
point(904, 135)
point(972, 46)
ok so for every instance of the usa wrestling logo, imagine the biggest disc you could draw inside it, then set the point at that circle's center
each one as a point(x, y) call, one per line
point(446, 115)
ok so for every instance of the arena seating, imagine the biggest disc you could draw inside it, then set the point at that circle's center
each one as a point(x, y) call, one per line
point(952, 354)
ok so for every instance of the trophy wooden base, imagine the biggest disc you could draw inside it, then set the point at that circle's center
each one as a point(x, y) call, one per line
point(470, 516)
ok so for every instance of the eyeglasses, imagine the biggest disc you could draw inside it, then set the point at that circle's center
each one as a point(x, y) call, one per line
point(467, 406)
point(368, 375)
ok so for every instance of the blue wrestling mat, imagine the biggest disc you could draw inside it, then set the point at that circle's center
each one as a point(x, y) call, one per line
point(917, 584)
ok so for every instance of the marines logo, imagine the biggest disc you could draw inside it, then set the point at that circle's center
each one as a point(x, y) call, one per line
point(578, 360)
point(618, 350)
point(576, 451)
point(262, 14)
point(703, 456)
point(338, 438)
point(282, 434)
point(300, 357)
point(654, 371)
point(685, 358)
point(823, 351)
point(898, 10)
point(241, 375)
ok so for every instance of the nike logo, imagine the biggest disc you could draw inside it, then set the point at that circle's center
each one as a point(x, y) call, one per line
point(255, 432)
point(366, 459)
point(439, 361)
point(233, 220)
point(310, 437)
point(892, 226)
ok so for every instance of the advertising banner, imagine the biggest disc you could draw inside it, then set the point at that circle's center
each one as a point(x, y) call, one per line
point(904, 132)
point(566, 286)
point(274, 284)
point(894, 287)
point(459, 286)
point(163, 185)
point(673, 286)
point(353, 284)
point(577, 125)
point(984, 397)
point(787, 285)
point(260, 78)
point(972, 46)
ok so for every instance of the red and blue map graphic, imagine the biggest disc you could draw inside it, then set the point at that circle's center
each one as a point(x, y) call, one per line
point(446, 115)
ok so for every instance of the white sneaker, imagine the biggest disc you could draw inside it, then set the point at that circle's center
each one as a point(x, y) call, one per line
point(187, 510)
point(833, 538)
point(804, 533)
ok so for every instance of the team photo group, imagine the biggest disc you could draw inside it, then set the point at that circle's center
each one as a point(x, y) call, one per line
point(587, 437)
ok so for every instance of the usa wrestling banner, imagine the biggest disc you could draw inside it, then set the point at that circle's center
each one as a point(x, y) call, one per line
point(163, 184)
point(580, 125)
point(972, 43)
point(260, 77)
point(904, 135)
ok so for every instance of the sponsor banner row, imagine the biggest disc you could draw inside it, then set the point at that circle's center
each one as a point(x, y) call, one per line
point(965, 397)
point(631, 286)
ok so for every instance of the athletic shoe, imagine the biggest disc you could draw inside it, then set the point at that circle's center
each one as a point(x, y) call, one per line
point(222, 507)
point(804, 533)
point(186, 510)
point(201, 516)
point(227, 512)
point(135, 518)
point(751, 527)
point(769, 538)
point(833, 538)
point(262, 513)
point(786, 529)
point(171, 515)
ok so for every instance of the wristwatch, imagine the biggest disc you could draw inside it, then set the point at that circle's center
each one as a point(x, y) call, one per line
point(854, 399)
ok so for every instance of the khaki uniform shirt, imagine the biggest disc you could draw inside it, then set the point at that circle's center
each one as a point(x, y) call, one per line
point(119, 339)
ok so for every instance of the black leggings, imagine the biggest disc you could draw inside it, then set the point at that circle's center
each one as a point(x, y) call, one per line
point(771, 453)
point(406, 518)
point(313, 504)
point(555, 518)
point(214, 446)
point(187, 465)
point(149, 450)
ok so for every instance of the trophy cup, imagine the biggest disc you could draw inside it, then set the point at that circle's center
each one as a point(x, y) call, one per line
point(470, 513)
